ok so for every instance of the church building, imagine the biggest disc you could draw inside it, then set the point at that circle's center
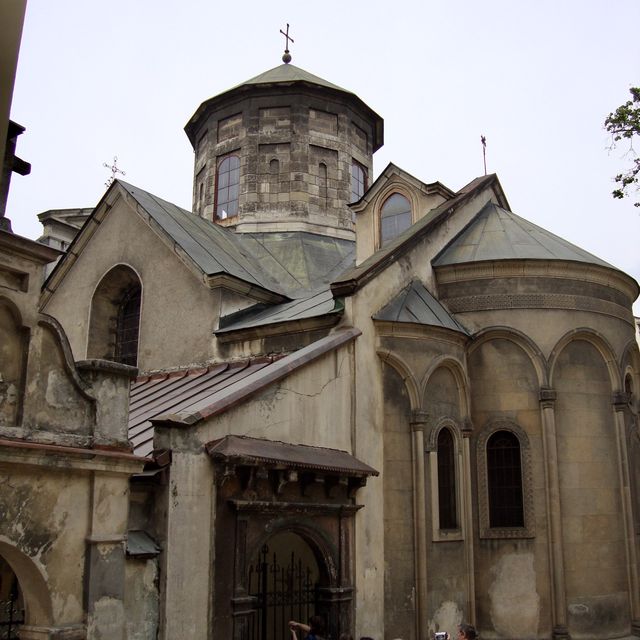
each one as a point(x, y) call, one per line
point(390, 403)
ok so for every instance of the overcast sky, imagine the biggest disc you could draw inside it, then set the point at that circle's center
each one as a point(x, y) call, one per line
point(121, 78)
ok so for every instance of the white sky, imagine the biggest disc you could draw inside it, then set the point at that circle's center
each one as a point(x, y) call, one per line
point(536, 77)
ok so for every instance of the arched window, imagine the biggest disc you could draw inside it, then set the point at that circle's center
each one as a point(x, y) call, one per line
point(447, 507)
point(504, 480)
point(358, 181)
point(227, 187)
point(395, 217)
point(128, 327)
point(114, 327)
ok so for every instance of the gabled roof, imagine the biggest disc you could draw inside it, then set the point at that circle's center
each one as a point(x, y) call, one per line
point(393, 170)
point(498, 234)
point(184, 398)
point(214, 249)
point(355, 278)
point(414, 304)
point(268, 266)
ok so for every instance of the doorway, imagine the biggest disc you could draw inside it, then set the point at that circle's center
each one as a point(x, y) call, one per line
point(11, 603)
point(284, 578)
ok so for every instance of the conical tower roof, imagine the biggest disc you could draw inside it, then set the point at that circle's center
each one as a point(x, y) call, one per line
point(283, 76)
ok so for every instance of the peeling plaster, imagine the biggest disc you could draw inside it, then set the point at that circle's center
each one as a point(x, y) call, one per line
point(447, 617)
point(515, 604)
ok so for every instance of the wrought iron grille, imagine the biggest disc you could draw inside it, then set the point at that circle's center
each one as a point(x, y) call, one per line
point(11, 613)
point(285, 590)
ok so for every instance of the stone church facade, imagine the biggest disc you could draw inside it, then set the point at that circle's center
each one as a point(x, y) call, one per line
point(387, 402)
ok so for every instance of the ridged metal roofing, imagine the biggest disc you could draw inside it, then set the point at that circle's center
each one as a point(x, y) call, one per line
point(498, 234)
point(290, 264)
point(184, 398)
point(318, 304)
point(241, 449)
point(416, 305)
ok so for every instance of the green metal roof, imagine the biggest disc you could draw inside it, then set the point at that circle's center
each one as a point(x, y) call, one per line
point(498, 234)
point(416, 305)
point(290, 73)
point(290, 264)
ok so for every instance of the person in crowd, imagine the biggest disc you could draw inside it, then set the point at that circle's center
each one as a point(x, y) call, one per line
point(313, 630)
point(467, 632)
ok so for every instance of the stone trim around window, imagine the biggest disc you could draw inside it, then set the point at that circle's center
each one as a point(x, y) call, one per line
point(431, 450)
point(485, 530)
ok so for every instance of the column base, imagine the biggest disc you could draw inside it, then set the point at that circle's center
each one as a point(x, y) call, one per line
point(73, 632)
point(560, 633)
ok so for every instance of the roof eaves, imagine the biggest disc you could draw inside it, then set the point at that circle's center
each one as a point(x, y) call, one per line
point(363, 273)
point(261, 379)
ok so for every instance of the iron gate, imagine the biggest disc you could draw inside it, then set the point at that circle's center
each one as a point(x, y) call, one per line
point(11, 613)
point(283, 591)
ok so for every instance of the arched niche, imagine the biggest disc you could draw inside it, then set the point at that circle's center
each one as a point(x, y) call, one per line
point(113, 320)
point(38, 610)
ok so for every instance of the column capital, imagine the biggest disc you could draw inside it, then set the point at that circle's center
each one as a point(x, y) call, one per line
point(547, 397)
point(419, 420)
point(620, 400)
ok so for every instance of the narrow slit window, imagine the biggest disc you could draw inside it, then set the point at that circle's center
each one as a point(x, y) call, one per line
point(128, 327)
point(447, 507)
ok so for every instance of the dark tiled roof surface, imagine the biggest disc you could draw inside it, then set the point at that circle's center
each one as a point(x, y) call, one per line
point(498, 234)
point(416, 305)
point(241, 449)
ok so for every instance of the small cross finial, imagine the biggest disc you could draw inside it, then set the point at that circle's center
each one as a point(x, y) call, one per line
point(114, 170)
point(483, 140)
point(286, 58)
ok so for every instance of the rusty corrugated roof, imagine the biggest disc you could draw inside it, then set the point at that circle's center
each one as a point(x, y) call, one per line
point(245, 450)
point(184, 398)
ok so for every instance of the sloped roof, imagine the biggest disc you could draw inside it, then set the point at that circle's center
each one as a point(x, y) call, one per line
point(212, 248)
point(298, 261)
point(354, 278)
point(184, 398)
point(318, 304)
point(290, 73)
point(242, 449)
point(499, 234)
point(416, 305)
point(283, 75)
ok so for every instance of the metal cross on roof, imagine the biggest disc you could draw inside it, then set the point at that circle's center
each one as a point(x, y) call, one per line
point(114, 170)
point(483, 140)
point(286, 58)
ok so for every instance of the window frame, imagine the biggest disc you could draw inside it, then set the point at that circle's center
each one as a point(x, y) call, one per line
point(381, 241)
point(122, 355)
point(485, 528)
point(220, 161)
point(365, 180)
point(438, 533)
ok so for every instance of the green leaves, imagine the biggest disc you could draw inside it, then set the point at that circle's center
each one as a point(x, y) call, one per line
point(624, 124)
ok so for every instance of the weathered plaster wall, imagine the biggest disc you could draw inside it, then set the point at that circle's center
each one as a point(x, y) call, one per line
point(399, 563)
point(178, 310)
